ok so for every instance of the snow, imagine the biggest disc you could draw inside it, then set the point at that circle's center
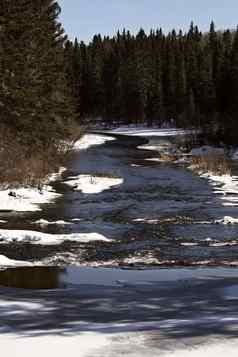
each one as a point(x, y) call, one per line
point(26, 199)
point(218, 349)
point(145, 132)
point(85, 344)
point(60, 346)
point(91, 320)
point(34, 237)
point(6, 262)
point(55, 176)
point(149, 147)
point(227, 220)
point(93, 184)
point(44, 222)
point(29, 199)
point(89, 140)
point(225, 185)
point(148, 221)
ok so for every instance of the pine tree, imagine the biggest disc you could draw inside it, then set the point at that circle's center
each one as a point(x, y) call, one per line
point(34, 98)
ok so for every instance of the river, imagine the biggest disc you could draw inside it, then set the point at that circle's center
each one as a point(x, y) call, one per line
point(162, 285)
point(162, 214)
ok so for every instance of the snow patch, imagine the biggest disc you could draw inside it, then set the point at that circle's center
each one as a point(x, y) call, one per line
point(226, 186)
point(89, 140)
point(59, 345)
point(6, 262)
point(26, 199)
point(93, 184)
point(227, 220)
point(33, 237)
point(148, 221)
point(57, 175)
point(218, 349)
point(146, 132)
point(44, 222)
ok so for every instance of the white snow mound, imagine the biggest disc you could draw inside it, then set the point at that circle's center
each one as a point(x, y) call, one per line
point(6, 262)
point(26, 199)
point(89, 140)
point(145, 132)
point(33, 237)
point(44, 222)
point(227, 220)
point(93, 184)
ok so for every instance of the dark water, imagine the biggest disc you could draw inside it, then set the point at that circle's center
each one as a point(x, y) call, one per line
point(33, 278)
point(48, 278)
point(161, 215)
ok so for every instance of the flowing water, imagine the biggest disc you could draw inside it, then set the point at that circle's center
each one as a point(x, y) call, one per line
point(162, 215)
point(161, 284)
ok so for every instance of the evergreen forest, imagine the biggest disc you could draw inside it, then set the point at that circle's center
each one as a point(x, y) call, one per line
point(183, 79)
point(37, 109)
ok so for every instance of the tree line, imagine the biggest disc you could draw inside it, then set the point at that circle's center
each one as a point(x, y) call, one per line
point(188, 78)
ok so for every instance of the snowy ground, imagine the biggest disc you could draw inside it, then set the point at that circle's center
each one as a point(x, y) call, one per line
point(89, 140)
point(92, 184)
point(34, 237)
point(6, 262)
point(26, 199)
point(172, 313)
point(54, 346)
point(149, 132)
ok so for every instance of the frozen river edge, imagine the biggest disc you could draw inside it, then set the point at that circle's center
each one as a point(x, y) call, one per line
point(166, 311)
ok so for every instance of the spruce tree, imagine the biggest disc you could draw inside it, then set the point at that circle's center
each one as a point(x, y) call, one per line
point(34, 98)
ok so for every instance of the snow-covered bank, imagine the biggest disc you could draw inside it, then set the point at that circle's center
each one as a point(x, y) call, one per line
point(227, 220)
point(45, 222)
point(53, 345)
point(57, 175)
point(33, 237)
point(89, 140)
point(145, 132)
point(134, 313)
point(214, 349)
point(26, 199)
point(226, 186)
point(93, 184)
point(6, 262)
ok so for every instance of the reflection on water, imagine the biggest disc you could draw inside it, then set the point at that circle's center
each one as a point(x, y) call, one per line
point(83, 277)
point(33, 278)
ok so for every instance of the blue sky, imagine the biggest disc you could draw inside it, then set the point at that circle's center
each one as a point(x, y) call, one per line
point(84, 18)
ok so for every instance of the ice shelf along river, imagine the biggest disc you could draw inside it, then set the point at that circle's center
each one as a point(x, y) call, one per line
point(131, 259)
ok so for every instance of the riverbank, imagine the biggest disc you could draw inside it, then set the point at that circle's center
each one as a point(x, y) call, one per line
point(169, 312)
point(29, 198)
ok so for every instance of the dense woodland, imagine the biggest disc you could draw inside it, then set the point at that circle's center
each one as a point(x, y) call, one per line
point(190, 77)
point(37, 110)
point(33, 88)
